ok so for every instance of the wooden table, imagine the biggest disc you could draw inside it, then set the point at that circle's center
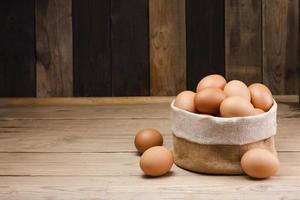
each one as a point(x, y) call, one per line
point(83, 149)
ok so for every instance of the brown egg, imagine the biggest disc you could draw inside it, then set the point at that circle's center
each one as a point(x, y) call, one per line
point(237, 88)
point(208, 100)
point(147, 138)
point(156, 161)
point(259, 163)
point(236, 106)
point(261, 96)
point(258, 111)
point(185, 101)
point(211, 81)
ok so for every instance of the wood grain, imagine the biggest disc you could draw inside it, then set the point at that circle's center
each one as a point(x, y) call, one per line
point(92, 48)
point(205, 39)
point(243, 40)
point(108, 128)
point(280, 46)
point(94, 112)
point(85, 100)
point(87, 152)
point(130, 52)
point(102, 164)
point(131, 187)
point(17, 46)
point(109, 100)
point(292, 66)
point(167, 46)
point(54, 67)
point(104, 135)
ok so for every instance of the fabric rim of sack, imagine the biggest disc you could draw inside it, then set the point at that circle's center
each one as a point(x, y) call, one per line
point(205, 129)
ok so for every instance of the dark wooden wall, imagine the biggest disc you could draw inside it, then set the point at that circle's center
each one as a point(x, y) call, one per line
point(145, 47)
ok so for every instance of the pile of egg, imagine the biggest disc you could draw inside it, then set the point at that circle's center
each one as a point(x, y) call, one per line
point(156, 160)
point(217, 97)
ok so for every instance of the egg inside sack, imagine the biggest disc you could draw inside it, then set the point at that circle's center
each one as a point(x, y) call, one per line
point(258, 111)
point(185, 101)
point(236, 106)
point(211, 81)
point(261, 96)
point(208, 100)
point(146, 138)
point(156, 161)
point(259, 163)
point(237, 88)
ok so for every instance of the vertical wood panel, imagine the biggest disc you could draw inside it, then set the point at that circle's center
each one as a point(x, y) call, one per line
point(130, 59)
point(92, 48)
point(54, 48)
point(292, 49)
point(205, 39)
point(243, 40)
point(17, 60)
point(280, 45)
point(167, 46)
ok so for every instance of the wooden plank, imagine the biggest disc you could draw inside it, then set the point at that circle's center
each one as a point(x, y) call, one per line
point(86, 100)
point(280, 45)
point(92, 48)
point(108, 128)
point(104, 135)
point(73, 164)
point(54, 67)
point(129, 43)
point(109, 100)
point(143, 111)
point(205, 39)
point(243, 40)
point(292, 66)
point(131, 187)
point(99, 108)
point(167, 46)
point(17, 56)
point(102, 164)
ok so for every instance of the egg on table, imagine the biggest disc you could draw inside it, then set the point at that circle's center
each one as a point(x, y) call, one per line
point(261, 96)
point(236, 106)
point(237, 88)
point(211, 81)
point(185, 101)
point(259, 163)
point(208, 100)
point(156, 161)
point(146, 138)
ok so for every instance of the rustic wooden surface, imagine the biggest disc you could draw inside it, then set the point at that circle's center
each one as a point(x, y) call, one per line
point(167, 46)
point(54, 56)
point(205, 39)
point(280, 45)
point(62, 149)
point(243, 40)
point(17, 50)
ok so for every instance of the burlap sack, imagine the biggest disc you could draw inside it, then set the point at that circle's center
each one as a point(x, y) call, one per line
point(215, 145)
